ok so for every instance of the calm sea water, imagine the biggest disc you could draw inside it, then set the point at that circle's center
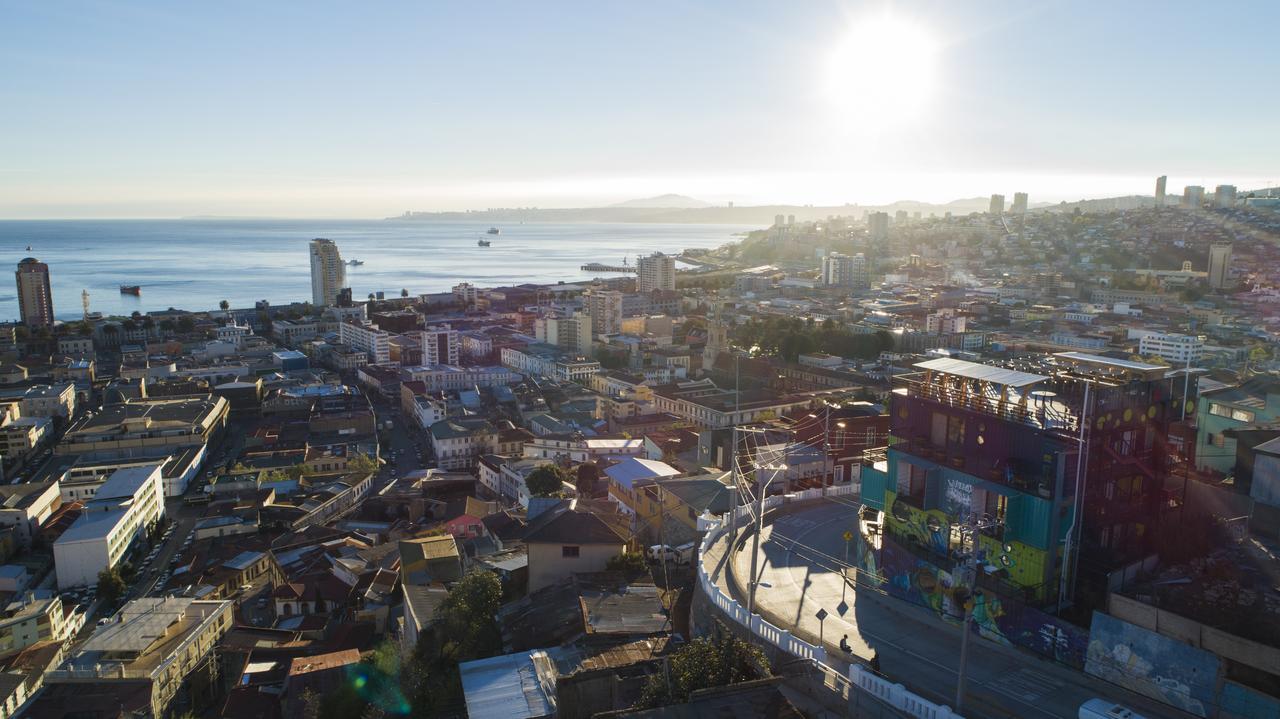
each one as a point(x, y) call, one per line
point(194, 264)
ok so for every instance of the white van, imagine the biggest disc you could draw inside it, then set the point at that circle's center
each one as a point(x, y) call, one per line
point(1103, 709)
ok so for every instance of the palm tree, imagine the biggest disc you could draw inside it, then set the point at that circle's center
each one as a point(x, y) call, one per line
point(224, 305)
point(371, 297)
point(404, 292)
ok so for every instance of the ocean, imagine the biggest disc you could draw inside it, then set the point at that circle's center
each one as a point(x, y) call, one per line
point(194, 264)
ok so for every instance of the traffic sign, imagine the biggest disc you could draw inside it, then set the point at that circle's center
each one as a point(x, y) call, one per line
point(848, 536)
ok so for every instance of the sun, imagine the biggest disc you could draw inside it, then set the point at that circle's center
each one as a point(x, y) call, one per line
point(882, 72)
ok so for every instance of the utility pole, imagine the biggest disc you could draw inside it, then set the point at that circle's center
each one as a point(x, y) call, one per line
point(827, 464)
point(733, 494)
point(971, 578)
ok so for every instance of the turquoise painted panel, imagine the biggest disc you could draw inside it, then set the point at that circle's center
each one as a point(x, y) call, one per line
point(874, 484)
point(1245, 703)
point(1027, 520)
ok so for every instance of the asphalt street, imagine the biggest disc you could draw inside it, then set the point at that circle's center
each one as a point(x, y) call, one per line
point(800, 572)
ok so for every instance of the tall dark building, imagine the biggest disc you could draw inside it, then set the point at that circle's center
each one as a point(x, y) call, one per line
point(35, 300)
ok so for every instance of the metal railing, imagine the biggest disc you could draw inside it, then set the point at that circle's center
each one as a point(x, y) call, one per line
point(893, 695)
point(1032, 412)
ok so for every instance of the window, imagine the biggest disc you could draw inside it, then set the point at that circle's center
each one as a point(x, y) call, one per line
point(1218, 440)
point(1219, 410)
point(569, 552)
point(1241, 415)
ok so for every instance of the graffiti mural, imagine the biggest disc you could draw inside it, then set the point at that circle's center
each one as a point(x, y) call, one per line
point(912, 579)
point(1170, 671)
point(999, 619)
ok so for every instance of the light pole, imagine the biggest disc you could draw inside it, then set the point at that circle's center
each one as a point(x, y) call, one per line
point(971, 579)
point(755, 536)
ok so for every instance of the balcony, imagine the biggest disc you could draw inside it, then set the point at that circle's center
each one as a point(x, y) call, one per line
point(1040, 408)
point(1011, 472)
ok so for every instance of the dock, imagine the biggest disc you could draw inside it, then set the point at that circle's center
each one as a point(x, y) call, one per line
point(601, 267)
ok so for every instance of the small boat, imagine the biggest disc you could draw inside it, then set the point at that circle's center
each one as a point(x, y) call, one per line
point(28, 248)
point(483, 243)
point(355, 263)
point(494, 231)
point(130, 289)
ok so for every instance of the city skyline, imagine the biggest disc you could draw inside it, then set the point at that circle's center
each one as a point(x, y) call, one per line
point(342, 113)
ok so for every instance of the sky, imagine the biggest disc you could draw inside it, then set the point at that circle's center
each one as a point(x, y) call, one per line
point(339, 109)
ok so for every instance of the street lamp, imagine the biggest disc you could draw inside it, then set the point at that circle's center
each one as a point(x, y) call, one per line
point(761, 490)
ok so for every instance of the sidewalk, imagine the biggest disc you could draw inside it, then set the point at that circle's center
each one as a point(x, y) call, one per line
point(915, 647)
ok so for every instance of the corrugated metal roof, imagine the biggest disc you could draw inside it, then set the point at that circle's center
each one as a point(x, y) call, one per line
point(981, 372)
point(507, 686)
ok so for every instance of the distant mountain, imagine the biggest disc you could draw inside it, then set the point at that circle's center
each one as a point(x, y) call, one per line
point(665, 202)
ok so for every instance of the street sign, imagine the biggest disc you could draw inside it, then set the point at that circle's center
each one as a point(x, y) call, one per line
point(821, 614)
point(848, 536)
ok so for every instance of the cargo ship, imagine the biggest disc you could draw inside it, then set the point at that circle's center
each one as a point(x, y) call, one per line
point(130, 289)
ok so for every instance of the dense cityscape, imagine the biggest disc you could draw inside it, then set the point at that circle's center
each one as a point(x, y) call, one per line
point(1038, 446)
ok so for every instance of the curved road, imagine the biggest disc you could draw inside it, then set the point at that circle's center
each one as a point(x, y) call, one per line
point(801, 571)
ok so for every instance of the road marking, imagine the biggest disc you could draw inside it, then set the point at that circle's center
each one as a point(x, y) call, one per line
point(1026, 684)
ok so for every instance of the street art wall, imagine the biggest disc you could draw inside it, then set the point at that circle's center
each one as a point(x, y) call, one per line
point(1165, 669)
point(1000, 619)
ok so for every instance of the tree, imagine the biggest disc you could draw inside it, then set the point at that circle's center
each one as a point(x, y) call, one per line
point(110, 585)
point(545, 481)
point(362, 464)
point(702, 664)
point(224, 305)
point(466, 617)
point(626, 562)
point(186, 324)
point(372, 296)
point(404, 292)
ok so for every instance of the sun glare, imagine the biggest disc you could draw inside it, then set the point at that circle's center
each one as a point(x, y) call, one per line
point(882, 72)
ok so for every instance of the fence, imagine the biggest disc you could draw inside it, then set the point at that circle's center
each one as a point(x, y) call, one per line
point(895, 695)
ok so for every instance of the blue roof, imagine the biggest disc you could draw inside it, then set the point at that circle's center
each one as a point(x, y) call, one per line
point(507, 686)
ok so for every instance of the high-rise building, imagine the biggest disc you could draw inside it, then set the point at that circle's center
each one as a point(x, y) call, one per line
point(35, 300)
point(1160, 183)
point(840, 270)
point(900, 217)
point(1019, 203)
point(328, 274)
point(1224, 196)
point(1219, 265)
point(997, 205)
point(572, 333)
point(655, 272)
point(878, 226)
point(1192, 196)
point(605, 309)
point(440, 345)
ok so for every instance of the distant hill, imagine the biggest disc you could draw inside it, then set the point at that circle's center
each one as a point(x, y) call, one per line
point(646, 211)
point(665, 202)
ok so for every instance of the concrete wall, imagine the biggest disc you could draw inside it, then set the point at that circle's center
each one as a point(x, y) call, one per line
point(1237, 649)
point(547, 565)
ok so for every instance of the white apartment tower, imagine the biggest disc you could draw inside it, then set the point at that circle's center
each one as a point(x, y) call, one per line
point(840, 270)
point(997, 205)
point(1160, 185)
point(328, 273)
point(1019, 203)
point(440, 345)
point(605, 308)
point(1192, 197)
point(1224, 196)
point(1219, 265)
point(655, 272)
